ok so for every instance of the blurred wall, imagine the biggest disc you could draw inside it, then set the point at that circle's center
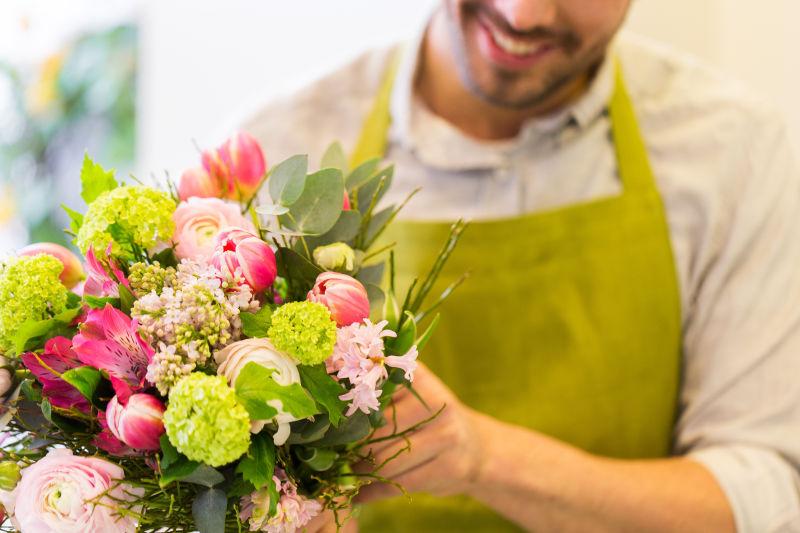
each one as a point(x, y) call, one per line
point(205, 63)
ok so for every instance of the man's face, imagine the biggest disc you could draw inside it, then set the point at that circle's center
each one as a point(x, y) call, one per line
point(518, 53)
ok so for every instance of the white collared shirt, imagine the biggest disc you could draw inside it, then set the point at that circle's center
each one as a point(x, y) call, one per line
point(731, 189)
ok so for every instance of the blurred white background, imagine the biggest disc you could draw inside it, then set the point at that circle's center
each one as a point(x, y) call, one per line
point(203, 63)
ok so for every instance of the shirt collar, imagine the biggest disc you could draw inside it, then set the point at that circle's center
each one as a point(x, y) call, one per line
point(438, 143)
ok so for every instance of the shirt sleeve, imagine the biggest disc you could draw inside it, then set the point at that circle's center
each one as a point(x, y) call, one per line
point(740, 400)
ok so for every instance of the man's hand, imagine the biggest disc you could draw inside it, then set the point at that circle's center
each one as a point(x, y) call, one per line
point(441, 458)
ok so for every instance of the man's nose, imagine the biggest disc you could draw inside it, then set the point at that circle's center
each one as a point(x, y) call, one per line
point(524, 15)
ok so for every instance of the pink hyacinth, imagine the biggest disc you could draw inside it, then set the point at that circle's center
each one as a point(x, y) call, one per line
point(237, 250)
point(358, 357)
point(109, 341)
point(57, 358)
point(98, 280)
point(294, 511)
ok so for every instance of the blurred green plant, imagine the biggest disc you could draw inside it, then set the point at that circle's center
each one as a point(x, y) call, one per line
point(80, 98)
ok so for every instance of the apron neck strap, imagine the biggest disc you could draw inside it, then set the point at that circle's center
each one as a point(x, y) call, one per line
point(632, 161)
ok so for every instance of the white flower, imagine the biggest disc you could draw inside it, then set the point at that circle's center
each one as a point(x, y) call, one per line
point(235, 356)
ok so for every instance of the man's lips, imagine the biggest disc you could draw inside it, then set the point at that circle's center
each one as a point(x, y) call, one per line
point(507, 51)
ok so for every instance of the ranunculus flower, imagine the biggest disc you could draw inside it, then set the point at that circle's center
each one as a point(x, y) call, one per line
point(138, 423)
point(237, 249)
point(72, 273)
point(238, 164)
point(344, 296)
point(64, 493)
point(199, 182)
point(199, 220)
point(235, 356)
point(58, 357)
point(109, 341)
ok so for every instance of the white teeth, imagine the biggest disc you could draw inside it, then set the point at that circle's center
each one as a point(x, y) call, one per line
point(513, 46)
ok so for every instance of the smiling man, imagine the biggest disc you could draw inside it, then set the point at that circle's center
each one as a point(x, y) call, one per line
point(624, 356)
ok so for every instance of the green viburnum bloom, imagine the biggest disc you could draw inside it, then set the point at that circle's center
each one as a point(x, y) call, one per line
point(304, 330)
point(29, 290)
point(143, 213)
point(205, 422)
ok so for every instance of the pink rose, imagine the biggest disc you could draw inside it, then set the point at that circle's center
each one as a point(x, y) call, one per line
point(199, 220)
point(240, 251)
point(138, 423)
point(56, 495)
point(344, 296)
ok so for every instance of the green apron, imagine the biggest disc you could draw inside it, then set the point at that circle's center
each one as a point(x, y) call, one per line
point(569, 323)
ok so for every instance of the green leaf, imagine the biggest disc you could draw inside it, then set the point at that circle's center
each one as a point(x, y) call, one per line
point(287, 180)
point(208, 511)
point(405, 337)
point(378, 222)
point(33, 333)
point(262, 396)
point(177, 471)
point(166, 258)
point(426, 335)
point(258, 465)
point(204, 475)
point(362, 173)
point(391, 310)
point(126, 299)
point(30, 392)
point(353, 429)
point(96, 302)
point(372, 190)
point(334, 157)
point(319, 205)
point(75, 219)
point(85, 379)
point(305, 431)
point(169, 453)
point(324, 389)
point(299, 272)
point(47, 409)
point(318, 459)
point(345, 229)
point(257, 324)
point(371, 274)
point(95, 180)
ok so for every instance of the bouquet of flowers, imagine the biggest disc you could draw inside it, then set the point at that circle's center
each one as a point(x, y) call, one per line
point(219, 362)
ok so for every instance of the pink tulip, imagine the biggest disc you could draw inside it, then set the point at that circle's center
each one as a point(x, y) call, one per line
point(138, 423)
point(72, 273)
point(245, 161)
point(344, 296)
point(240, 250)
point(199, 182)
point(346, 202)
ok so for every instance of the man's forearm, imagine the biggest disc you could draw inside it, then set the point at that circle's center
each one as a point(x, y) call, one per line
point(545, 485)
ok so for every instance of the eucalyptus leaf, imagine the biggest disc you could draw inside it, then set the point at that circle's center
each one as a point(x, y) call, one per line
point(272, 209)
point(305, 431)
point(372, 190)
point(345, 229)
point(204, 475)
point(319, 205)
point(376, 296)
point(362, 173)
point(334, 157)
point(353, 429)
point(378, 222)
point(177, 470)
point(371, 274)
point(208, 511)
point(287, 180)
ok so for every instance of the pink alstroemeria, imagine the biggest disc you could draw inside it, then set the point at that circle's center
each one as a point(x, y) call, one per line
point(98, 281)
point(57, 358)
point(108, 341)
